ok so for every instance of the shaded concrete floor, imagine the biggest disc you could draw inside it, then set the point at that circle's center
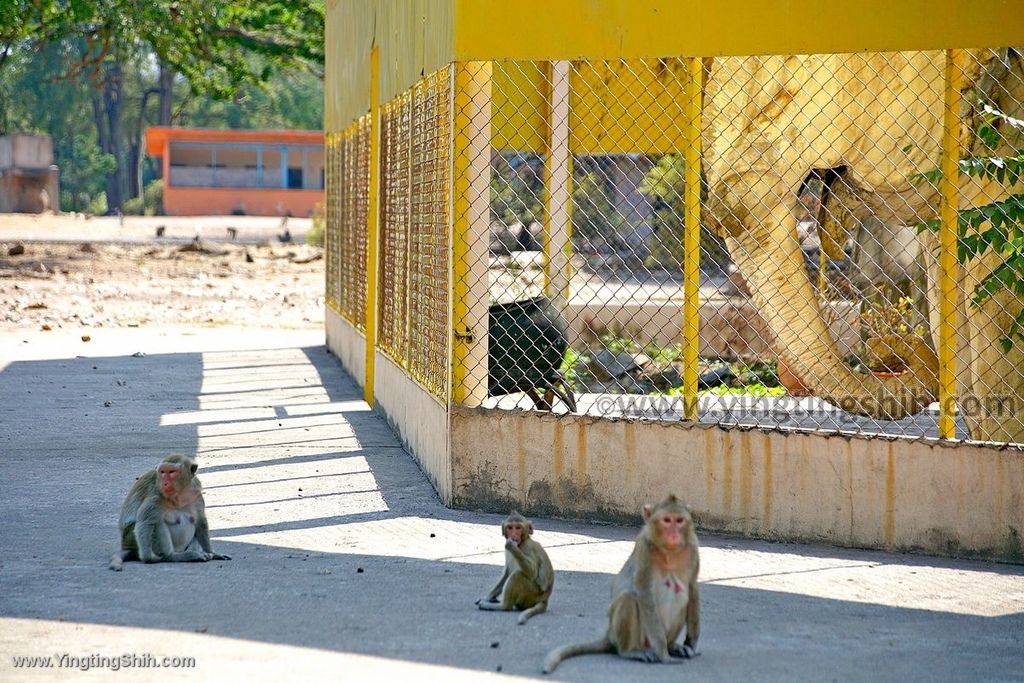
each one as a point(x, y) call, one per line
point(346, 566)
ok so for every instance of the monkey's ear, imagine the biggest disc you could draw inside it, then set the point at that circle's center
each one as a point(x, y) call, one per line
point(194, 467)
point(647, 512)
point(529, 527)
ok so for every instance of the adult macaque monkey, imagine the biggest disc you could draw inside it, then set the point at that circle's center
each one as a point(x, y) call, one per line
point(654, 595)
point(528, 578)
point(163, 519)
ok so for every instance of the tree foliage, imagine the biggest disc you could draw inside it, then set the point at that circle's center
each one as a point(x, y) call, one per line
point(997, 227)
point(85, 73)
point(209, 42)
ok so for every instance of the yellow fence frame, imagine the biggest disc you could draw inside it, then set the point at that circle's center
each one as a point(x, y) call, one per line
point(538, 30)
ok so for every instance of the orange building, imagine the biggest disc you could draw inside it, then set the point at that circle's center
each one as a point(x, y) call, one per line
point(251, 172)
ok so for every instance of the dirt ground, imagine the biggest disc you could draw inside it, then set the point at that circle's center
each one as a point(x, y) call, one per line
point(104, 285)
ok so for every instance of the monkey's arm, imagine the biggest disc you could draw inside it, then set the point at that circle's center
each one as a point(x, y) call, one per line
point(147, 517)
point(693, 617)
point(528, 564)
point(496, 591)
point(653, 632)
point(203, 536)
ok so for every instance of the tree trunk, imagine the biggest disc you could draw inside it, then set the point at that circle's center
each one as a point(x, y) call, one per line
point(166, 87)
point(115, 135)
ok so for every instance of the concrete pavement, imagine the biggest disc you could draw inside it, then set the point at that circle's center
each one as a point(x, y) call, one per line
point(347, 567)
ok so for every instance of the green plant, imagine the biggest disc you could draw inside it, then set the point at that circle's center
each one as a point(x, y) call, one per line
point(132, 206)
point(516, 190)
point(746, 390)
point(315, 235)
point(998, 226)
point(663, 185)
point(97, 205)
point(575, 369)
point(153, 198)
point(880, 319)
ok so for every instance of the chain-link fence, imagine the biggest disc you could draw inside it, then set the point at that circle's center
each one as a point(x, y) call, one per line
point(819, 281)
point(348, 186)
point(533, 243)
point(413, 293)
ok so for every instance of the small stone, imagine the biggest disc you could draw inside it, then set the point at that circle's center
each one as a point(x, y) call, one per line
point(495, 643)
point(86, 338)
point(359, 570)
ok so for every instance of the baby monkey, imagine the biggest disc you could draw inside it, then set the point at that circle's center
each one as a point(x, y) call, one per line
point(528, 578)
point(163, 519)
point(654, 596)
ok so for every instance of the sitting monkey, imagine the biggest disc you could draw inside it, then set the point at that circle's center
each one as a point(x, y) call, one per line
point(163, 519)
point(654, 595)
point(528, 578)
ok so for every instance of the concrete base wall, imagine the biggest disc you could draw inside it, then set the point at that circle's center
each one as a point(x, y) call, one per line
point(419, 419)
point(962, 500)
point(347, 343)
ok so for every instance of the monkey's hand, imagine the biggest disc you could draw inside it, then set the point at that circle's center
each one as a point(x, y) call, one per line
point(509, 544)
point(681, 651)
point(219, 556)
point(484, 599)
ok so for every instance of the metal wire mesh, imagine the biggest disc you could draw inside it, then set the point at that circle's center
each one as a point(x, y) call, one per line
point(346, 227)
point(396, 140)
point(333, 189)
point(429, 282)
point(819, 267)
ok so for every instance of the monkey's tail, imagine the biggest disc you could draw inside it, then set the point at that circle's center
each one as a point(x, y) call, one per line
point(119, 558)
point(539, 608)
point(596, 647)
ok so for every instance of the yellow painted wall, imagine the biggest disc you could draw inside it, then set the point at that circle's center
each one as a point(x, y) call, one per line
point(415, 39)
point(606, 29)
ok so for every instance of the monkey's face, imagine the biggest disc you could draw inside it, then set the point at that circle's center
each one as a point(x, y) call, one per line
point(671, 528)
point(516, 532)
point(167, 476)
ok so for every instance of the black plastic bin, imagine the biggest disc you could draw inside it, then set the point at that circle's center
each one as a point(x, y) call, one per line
point(526, 346)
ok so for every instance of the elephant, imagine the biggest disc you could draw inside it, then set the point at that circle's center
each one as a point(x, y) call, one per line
point(870, 125)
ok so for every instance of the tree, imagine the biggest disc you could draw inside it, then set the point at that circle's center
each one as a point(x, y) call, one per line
point(218, 48)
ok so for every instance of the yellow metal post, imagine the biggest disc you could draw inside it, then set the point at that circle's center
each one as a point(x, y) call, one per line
point(372, 221)
point(691, 233)
point(557, 186)
point(471, 173)
point(948, 267)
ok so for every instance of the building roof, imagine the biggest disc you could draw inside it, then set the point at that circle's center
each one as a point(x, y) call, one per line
point(157, 136)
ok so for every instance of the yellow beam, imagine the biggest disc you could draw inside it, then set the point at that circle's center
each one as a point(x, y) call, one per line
point(610, 29)
point(471, 154)
point(691, 225)
point(372, 221)
point(948, 267)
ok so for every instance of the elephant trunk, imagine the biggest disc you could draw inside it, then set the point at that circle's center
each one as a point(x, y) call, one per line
point(764, 247)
